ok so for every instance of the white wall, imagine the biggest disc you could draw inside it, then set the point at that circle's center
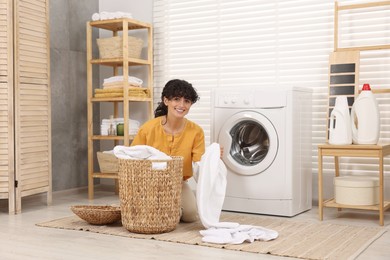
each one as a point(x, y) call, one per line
point(141, 10)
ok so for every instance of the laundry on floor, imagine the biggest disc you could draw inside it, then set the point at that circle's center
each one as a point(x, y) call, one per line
point(238, 235)
point(106, 124)
point(142, 152)
point(210, 195)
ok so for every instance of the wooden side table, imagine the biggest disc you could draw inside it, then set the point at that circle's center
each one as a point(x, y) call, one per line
point(376, 151)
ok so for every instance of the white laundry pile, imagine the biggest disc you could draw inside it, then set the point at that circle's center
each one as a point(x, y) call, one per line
point(111, 82)
point(142, 152)
point(210, 194)
point(110, 15)
point(105, 125)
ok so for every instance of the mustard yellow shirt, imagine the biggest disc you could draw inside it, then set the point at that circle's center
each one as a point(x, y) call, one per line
point(189, 143)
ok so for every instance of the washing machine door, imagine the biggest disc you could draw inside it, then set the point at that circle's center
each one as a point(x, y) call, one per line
point(250, 143)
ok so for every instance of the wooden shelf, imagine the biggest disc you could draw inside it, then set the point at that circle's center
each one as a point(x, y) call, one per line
point(331, 203)
point(121, 107)
point(118, 62)
point(378, 151)
point(120, 99)
point(105, 175)
point(117, 24)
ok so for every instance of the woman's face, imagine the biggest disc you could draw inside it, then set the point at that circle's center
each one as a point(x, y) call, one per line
point(178, 106)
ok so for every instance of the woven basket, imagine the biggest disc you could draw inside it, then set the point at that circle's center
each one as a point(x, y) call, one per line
point(112, 47)
point(150, 199)
point(97, 215)
point(108, 162)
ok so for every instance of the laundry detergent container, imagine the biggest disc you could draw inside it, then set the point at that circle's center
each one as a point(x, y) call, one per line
point(356, 190)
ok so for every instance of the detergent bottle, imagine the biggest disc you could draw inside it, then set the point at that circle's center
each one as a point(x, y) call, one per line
point(340, 131)
point(365, 118)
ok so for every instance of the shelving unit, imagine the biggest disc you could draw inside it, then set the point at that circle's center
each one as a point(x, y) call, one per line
point(123, 25)
point(378, 151)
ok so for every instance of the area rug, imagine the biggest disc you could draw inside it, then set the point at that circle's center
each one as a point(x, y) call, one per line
point(299, 239)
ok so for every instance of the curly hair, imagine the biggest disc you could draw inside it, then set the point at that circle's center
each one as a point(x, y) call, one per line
point(175, 88)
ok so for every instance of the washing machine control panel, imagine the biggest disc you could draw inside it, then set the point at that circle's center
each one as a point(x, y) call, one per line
point(234, 100)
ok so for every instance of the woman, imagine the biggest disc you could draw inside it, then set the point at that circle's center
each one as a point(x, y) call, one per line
point(173, 134)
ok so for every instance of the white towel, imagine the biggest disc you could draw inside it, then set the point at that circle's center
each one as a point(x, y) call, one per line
point(211, 187)
point(210, 195)
point(95, 17)
point(144, 152)
point(131, 79)
point(133, 125)
point(237, 235)
point(110, 15)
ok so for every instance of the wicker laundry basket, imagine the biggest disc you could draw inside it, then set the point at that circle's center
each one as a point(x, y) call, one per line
point(112, 47)
point(150, 198)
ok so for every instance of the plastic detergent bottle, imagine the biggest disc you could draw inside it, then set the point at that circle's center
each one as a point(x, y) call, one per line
point(340, 131)
point(365, 118)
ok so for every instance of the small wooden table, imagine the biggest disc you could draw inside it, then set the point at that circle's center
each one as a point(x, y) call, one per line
point(377, 151)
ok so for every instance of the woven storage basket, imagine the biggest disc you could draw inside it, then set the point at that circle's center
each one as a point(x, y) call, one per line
point(108, 162)
point(97, 215)
point(150, 199)
point(112, 47)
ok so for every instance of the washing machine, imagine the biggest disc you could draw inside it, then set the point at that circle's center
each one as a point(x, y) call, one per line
point(266, 136)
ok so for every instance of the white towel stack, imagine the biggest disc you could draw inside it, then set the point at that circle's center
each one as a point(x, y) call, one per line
point(110, 15)
point(133, 125)
point(110, 82)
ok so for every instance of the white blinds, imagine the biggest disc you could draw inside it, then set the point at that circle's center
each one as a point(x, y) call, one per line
point(230, 43)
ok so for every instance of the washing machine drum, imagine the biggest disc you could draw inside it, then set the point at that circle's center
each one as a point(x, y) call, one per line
point(250, 143)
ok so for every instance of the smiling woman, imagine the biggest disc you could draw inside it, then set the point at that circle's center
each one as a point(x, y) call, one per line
point(172, 133)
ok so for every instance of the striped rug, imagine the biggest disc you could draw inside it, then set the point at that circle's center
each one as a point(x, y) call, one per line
point(297, 238)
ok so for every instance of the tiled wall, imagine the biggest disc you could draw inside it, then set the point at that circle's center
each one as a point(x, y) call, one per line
point(69, 96)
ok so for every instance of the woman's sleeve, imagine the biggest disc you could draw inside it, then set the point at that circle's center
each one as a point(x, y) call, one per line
point(140, 138)
point(199, 146)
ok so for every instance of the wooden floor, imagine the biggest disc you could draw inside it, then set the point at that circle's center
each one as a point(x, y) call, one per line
point(21, 239)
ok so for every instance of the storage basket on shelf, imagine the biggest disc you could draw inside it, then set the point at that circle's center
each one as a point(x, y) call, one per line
point(150, 197)
point(108, 163)
point(112, 47)
point(356, 190)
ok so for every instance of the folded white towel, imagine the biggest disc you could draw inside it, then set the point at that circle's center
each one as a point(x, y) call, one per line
point(131, 79)
point(134, 125)
point(95, 17)
point(144, 152)
point(115, 121)
point(210, 195)
point(110, 15)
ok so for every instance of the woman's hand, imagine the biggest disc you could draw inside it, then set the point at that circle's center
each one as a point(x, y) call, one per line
point(221, 152)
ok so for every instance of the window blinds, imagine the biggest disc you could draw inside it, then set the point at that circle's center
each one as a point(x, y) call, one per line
point(229, 43)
